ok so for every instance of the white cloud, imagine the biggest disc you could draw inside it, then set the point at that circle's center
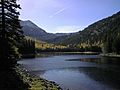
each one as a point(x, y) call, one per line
point(57, 12)
point(67, 29)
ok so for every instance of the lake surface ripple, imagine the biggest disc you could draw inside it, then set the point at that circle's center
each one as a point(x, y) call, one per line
point(77, 72)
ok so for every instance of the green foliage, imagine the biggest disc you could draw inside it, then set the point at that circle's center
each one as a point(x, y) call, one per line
point(27, 48)
point(93, 38)
point(112, 43)
point(108, 46)
point(100, 34)
point(116, 45)
point(10, 33)
point(41, 46)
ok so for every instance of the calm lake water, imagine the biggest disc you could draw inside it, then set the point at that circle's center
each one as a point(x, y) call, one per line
point(77, 72)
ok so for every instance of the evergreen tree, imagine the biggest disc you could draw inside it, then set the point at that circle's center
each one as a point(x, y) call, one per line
point(116, 45)
point(27, 48)
point(10, 33)
point(107, 43)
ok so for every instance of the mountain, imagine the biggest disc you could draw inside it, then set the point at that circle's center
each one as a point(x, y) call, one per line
point(32, 30)
point(94, 34)
point(61, 34)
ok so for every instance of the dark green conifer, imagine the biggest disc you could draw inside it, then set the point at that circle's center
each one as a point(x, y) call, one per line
point(10, 33)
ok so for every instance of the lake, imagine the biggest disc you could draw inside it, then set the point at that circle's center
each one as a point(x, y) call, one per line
point(77, 72)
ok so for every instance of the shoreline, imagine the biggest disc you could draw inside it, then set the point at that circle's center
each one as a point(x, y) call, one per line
point(59, 53)
point(110, 55)
point(35, 82)
point(42, 54)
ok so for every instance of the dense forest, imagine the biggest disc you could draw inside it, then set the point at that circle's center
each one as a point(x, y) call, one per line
point(104, 34)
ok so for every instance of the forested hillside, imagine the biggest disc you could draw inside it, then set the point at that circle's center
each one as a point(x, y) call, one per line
point(92, 38)
point(94, 35)
point(31, 46)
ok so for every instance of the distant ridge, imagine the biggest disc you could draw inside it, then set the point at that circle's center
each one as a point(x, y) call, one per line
point(94, 34)
point(32, 30)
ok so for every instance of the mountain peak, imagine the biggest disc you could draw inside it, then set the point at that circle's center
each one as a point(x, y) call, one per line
point(29, 23)
point(32, 30)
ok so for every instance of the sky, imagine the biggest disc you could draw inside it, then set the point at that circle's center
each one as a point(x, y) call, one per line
point(66, 16)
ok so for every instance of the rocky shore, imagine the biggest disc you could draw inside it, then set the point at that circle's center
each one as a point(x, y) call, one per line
point(34, 82)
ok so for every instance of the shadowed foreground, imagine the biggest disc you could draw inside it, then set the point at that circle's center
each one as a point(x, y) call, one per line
point(10, 80)
point(19, 79)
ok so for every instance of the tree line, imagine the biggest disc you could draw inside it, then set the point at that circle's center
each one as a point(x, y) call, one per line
point(27, 48)
point(112, 44)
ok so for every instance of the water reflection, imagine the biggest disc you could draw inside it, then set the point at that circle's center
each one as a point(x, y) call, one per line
point(99, 60)
point(105, 76)
point(87, 78)
point(78, 72)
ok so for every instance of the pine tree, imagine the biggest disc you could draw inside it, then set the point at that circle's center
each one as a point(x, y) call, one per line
point(27, 48)
point(116, 45)
point(10, 33)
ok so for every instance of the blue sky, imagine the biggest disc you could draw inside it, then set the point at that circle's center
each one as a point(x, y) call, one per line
point(56, 16)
